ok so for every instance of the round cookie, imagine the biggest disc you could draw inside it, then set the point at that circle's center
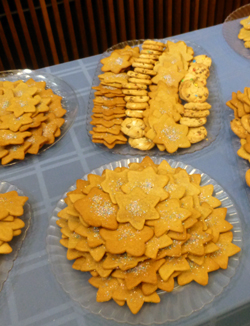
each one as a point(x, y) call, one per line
point(191, 91)
point(143, 143)
point(197, 134)
point(140, 81)
point(150, 51)
point(145, 60)
point(133, 86)
point(134, 113)
point(193, 122)
point(142, 65)
point(197, 106)
point(196, 113)
point(151, 42)
point(145, 71)
point(136, 99)
point(137, 75)
point(199, 69)
point(149, 56)
point(200, 80)
point(132, 127)
point(135, 92)
point(154, 47)
point(203, 58)
point(137, 106)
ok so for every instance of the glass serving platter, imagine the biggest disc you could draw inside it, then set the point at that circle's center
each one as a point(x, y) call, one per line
point(7, 261)
point(231, 28)
point(59, 87)
point(181, 302)
point(213, 121)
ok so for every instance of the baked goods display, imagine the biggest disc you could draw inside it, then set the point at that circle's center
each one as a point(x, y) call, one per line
point(139, 97)
point(11, 223)
point(240, 125)
point(31, 116)
point(143, 228)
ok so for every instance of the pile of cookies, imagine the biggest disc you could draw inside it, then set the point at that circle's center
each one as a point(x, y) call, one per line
point(142, 228)
point(154, 81)
point(240, 125)
point(11, 209)
point(109, 103)
point(244, 33)
point(30, 117)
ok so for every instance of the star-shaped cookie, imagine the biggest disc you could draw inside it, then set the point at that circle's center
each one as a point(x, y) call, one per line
point(171, 134)
point(171, 217)
point(143, 272)
point(97, 209)
point(115, 62)
point(136, 207)
point(124, 238)
point(150, 182)
point(226, 249)
point(198, 273)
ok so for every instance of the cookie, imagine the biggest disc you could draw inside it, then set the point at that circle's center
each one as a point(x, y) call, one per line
point(204, 59)
point(137, 106)
point(134, 113)
point(115, 62)
point(196, 113)
point(197, 106)
point(169, 76)
point(97, 209)
point(137, 75)
point(145, 71)
point(118, 242)
point(190, 91)
point(193, 122)
point(142, 143)
point(197, 134)
point(112, 78)
point(246, 23)
point(199, 69)
point(135, 92)
point(171, 135)
point(133, 128)
point(238, 129)
point(245, 121)
point(244, 34)
point(140, 81)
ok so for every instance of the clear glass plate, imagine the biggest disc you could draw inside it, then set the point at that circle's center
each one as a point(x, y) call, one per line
point(7, 261)
point(231, 28)
point(213, 122)
point(182, 302)
point(59, 87)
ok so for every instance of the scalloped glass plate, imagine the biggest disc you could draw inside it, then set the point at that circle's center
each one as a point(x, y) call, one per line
point(231, 28)
point(182, 302)
point(59, 87)
point(7, 261)
point(213, 122)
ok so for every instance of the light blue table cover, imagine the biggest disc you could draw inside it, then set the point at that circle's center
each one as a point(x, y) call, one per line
point(31, 295)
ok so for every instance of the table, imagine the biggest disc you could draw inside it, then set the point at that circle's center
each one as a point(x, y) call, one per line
point(31, 295)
